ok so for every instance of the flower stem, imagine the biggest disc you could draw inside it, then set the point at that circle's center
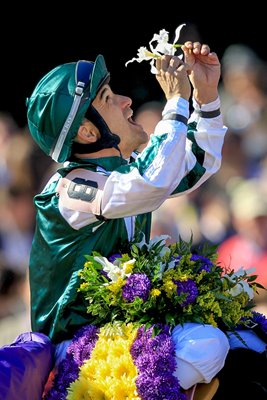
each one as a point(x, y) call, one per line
point(150, 54)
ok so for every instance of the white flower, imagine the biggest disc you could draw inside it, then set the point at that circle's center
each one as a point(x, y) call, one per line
point(143, 54)
point(113, 271)
point(106, 264)
point(162, 47)
point(241, 285)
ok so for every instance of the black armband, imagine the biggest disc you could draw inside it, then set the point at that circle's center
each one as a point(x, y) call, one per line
point(175, 117)
point(208, 114)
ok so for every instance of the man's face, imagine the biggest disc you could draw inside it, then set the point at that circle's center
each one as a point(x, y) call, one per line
point(116, 111)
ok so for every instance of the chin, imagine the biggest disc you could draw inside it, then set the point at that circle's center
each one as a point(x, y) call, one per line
point(143, 137)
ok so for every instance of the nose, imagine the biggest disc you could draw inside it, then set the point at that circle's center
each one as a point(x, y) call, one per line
point(125, 101)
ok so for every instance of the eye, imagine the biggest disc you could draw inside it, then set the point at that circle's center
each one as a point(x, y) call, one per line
point(108, 99)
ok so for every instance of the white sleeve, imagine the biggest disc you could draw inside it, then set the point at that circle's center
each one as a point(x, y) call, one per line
point(171, 164)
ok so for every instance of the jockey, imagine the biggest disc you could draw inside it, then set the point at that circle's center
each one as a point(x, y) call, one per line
point(103, 194)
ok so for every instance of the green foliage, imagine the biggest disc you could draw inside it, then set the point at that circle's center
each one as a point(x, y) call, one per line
point(180, 286)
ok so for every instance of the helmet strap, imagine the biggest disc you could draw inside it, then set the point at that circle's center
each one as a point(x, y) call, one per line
point(106, 141)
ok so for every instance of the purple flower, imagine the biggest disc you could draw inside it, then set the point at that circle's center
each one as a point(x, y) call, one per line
point(140, 342)
point(83, 343)
point(137, 285)
point(67, 372)
point(68, 369)
point(177, 260)
point(205, 263)
point(188, 287)
point(158, 387)
point(113, 257)
point(154, 358)
point(261, 320)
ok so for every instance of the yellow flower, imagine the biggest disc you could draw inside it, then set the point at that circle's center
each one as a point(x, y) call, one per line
point(123, 366)
point(122, 390)
point(110, 373)
point(128, 266)
point(115, 287)
point(88, 264)
point(129, 330)
point(155, 292)
point(81, 389)
point(169, 287)
point(84, 286)
point(211, 320)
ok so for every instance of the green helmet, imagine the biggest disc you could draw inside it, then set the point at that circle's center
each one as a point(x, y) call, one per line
point(59, 102)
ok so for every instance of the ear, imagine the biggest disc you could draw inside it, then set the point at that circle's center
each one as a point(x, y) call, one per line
point(87, 133)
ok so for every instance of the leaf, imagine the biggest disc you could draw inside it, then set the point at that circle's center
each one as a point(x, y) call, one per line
point(156, 330)
point(169, 319)
point(251, 278)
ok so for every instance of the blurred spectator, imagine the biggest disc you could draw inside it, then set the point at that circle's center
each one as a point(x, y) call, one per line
point(213, 213)
point(8, 128)
point(14, 305)
point(248, 246)
point(23, 169)
point(148, 115)
point(244, 102)
point(42, 167)
point(16, 233)
point(16, 230)
point(17, 157)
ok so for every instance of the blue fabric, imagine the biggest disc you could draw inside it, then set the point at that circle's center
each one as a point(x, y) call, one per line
point(61, 351)
point(24, 367)
point(252, 341)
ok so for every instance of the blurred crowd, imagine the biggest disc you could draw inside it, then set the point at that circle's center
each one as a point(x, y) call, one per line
point(23, 171)
point(229, 210)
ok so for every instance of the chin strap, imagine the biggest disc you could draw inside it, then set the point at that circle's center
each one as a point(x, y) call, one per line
point(106, 141)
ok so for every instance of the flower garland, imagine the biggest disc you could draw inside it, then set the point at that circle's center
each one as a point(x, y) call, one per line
point(135, 299)
point(118, 362)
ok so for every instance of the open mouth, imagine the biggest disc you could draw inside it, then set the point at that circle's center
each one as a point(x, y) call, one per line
point(133, 122)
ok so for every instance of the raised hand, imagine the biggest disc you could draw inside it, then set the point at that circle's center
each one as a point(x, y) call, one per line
point(205, 71)
point(172, 76)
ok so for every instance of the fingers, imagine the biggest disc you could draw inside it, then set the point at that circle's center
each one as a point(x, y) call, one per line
point(213, 56)
point(168, 63)
point(196, 48)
